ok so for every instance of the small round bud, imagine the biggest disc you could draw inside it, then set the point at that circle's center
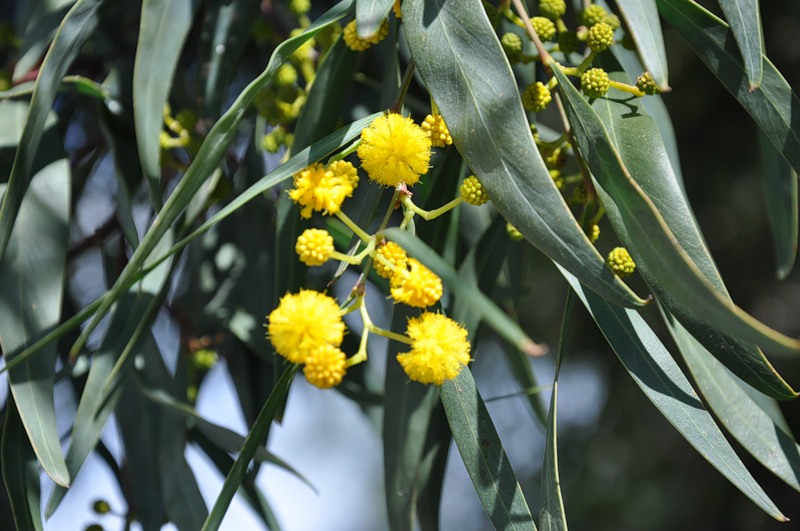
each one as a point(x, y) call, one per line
point(552, 9)
point(593, 14)
point(568, 41)
point(594, 82)
point(101, 507)
point(513, 233)
point(556, 159)
point(600, 38)
point(299, 7)
point(314, 247)
point(392, 253)
point(647, 84)
point(325, 367)
point(353, 41)
point(621, 262)
point(613, 21)
point(544, 27)
point(473, 192)
point(286, 75)
point(436, 129)
point(536, 97)
point(512, 45)
point(204, 359)
point(557, 179)
point(594, 232)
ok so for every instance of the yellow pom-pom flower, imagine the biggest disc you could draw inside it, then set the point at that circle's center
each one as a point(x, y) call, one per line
point(473, 192)
point(344, 170)
point(314, 247)
point(418, 286)
point(395, 255)
point(439, 349)
point(303, 322)
point(620, 261)
point(323, 190)
point(594, 232)
point(325, 367)
point(437, 131)
point(394, 150)
point(396, 9)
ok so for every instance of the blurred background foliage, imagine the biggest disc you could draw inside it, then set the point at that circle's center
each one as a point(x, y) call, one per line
point(626, 468)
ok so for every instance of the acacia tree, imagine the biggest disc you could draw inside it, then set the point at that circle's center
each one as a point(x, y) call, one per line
point(294, 187)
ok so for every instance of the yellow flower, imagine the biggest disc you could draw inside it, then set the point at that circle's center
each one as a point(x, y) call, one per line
point(303, 322)
point(436, 129)
point(325, 367)
point(620, 261)
point(314, 247)
point(473, 192)
point(594, 233)
point(419, 287)
point(356, 43)
point(396, 8)
point(513, 233)
point(319, 189)
point(439, 349)
point(394, 150)
point(392, 253)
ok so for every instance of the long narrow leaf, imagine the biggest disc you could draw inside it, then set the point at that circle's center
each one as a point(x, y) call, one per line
point(483, 455)
point(370, 14)
point(745, 20)
point(20, 472)
point(76, 27)
point(659, 377)
point(645, 28)
point(779, 183)
point(466, 71)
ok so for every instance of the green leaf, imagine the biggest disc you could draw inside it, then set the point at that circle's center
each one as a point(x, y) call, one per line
point(638, 142)
point(370, 14)
point(31, 291)
point(659, 377)
point(36, 21)
point(465, 69)
point(651, 241)
point(208, 158)
point(222, 40)
point(779, 182)
point(407, 411)
point(483, 455)
point(76, 27)
point(749, 424)
point(20, 472)
point(162, 30)
point(772, 105)
point(744, 18)
point(431, 472)
point(251, 444)
point(645, 28)
point(467, 293)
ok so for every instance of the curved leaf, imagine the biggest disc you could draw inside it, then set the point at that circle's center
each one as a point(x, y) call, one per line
point(744, 18)
point(767, 441)
point(660, 378)
point(76, 27)
point(465, 70)
point(483, 455)
point(773, 105)
point(163, 28)
point(652, 243)
point(20, 472)
point(638, 143)
point(31, 291)
point(370, 14)
point(208, 158)
point(779, 182)
point(645, 28)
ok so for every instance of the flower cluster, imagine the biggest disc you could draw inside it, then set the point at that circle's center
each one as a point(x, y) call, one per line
point(439, 349)
point(394, 150)
point(323, 189)
point(356, 43)
point(620, 261)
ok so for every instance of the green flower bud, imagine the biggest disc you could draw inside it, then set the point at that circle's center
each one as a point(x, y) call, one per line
point(595, 82)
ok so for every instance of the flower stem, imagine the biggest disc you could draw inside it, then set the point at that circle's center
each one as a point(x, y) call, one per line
point(428, 215)
point(624, 87)
point(353, 226)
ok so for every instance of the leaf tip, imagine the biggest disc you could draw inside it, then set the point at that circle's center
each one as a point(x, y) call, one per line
point(534, 349)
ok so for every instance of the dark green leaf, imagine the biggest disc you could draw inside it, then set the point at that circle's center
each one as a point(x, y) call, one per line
point(779, 182)
point(76, 27)
point(407, 407)
point(637, 140)
point(744, 18)
point(20, 472)
point(251, 444)
point(466, 71)
point(645, 28)
point(163, 28)
point(468, 294)
point(767, 441)
point(651, 241)
point(656, 373)
point(208, 157)
point(31, 290)
point(483, 455)
point(773, 105)
point(370, 14)
point(430, 475)
point(36, 21)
